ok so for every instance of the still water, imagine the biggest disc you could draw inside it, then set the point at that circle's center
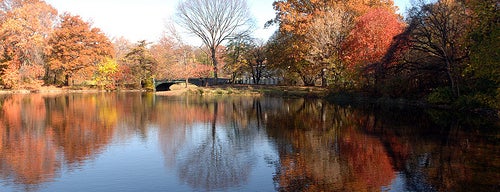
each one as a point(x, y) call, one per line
point(144, 142)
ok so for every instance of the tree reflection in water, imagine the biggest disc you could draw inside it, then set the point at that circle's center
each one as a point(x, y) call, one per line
point(323, 148)
point(38, 132)
point(359, 149)
point(24, 139)
point(211, 142)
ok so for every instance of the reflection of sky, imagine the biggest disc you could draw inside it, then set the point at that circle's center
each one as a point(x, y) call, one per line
point(402, 183)
point(138, 164)
point(397, 184)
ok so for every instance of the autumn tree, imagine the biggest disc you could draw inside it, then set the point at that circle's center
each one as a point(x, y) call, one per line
point(284, 52)
point(122, 47)
point(235, 51)
point(124, 76)
point(327, 35)
point(141, 64)
point(256, 61)
point(75, 50)
point(106, 74)
point(295, 19)
point(165, 53)
point(318, 29)
point(24, 26)
point(371, 38)
point(247, 56)
point(214, 21)
point(176, 59)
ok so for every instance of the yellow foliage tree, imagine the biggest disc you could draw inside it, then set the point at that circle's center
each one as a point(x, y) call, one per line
point(106, 73)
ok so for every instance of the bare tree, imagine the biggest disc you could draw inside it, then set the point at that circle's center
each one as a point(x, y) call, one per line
point(214, 21)
point(438, 38)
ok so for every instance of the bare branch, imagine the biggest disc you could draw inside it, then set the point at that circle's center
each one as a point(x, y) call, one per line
point(214, 21)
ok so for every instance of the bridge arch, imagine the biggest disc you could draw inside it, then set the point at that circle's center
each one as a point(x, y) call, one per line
point(164, 86)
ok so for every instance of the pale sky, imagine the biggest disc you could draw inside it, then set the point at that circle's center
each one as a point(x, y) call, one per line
point(145, 19)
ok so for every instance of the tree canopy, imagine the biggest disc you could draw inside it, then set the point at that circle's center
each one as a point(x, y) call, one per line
point(75, 49)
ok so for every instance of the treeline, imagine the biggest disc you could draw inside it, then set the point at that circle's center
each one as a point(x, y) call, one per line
point(446, 51)
point(39, 46)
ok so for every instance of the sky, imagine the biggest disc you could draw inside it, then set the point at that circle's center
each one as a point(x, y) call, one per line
point(146, 19)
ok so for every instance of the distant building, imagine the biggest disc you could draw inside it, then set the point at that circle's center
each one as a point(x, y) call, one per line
point(268, 77)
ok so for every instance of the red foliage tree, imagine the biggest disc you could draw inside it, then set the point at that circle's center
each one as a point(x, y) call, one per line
point(371, 37)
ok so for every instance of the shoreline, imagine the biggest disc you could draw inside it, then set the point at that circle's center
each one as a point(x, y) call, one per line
point(267, 90)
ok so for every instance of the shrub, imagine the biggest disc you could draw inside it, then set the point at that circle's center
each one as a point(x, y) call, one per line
point(442, 95)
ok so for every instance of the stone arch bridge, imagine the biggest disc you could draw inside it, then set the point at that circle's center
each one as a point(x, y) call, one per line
point(164, 85)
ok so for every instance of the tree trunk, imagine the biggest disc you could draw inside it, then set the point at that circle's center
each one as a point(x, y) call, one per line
point(214, 61)
point(66, 83)
point(454, 88)
point(323, 78)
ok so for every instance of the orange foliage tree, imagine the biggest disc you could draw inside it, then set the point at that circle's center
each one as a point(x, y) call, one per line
point(317, 30)
point(75, 48)
point(24, 26)
point(177, 60)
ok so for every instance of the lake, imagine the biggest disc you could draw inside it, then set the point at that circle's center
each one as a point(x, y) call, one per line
point(146, 142)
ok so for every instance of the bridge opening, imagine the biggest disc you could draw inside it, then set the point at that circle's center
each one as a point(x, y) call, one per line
point(164, 87)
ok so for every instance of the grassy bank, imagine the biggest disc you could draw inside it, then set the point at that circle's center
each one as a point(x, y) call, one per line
point(350, 98)
point(258, 90)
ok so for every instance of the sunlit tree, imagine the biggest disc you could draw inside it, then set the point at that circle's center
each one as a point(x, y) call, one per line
point(75, 49)
point(214, 21)
point(370, 40)
point(24, 27)
point(235, 51)
point(141, 64)
point(106, 74)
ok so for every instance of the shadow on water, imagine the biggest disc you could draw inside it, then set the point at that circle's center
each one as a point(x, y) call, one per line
point(368, 148)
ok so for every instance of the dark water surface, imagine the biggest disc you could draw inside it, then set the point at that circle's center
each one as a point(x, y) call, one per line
point(142, 142)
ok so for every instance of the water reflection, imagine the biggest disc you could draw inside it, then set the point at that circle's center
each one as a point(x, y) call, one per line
point(39, 132)
point(324, 147)
point(217, 144)
point(208, 142)
point(444, 151)
point(359, 149)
